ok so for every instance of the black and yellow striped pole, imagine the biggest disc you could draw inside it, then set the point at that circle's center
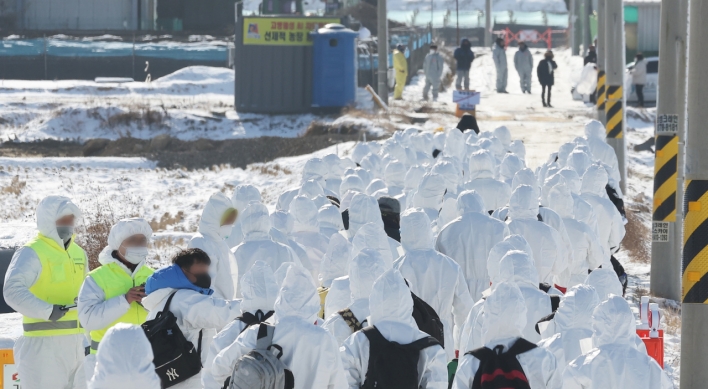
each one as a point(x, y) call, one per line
point(600, 91)
point(615, 72)
point(601, 95)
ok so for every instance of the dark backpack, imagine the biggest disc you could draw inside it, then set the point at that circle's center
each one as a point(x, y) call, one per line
point(175, 358)
point(392, 365)
point(501, 370)
point(427, 319)
point(616, 200)
point(250, 319)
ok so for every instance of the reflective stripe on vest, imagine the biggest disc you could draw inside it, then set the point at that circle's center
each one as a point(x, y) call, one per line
point(63, 272)
point(114, 282)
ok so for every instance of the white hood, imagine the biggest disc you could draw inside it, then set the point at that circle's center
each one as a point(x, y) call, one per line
point(391, 308)
point(364, 270)
point(304, 212)
point(413, 177)
point(360, 151)
point(351, 183)
point(564, 151)
point(524, 203)
point(126, 228)
point(335, 262)
point(517, 267)
point(329, 217)
point(579, 161)
point(374, 164)
point(550, 182)
point(395, 174)
point(282, 271)
point(454, 144)
point(311, 189)
point(576, 309)
point(605, 282)
point(49, 210)
point(124, 360)
point(524, 176)
point(373, 236)
point(298, 296)
point(504, 313)
point(594, 180)
point(510, 165)
point(517, 147)
point(363, 209)
point(450, 173)
point(561, 201)
point(430, 192)
point(255, 222)
point(613, 323)
point(503, 134)
point(510, 243)
point(595, 129)
point(572, 179)
point(375, 186)
point(259, 289)
point(244, 195)
point(213, 211)
point(481, 165)
point(470, 201)
point(416, 233)
point(282, 221)
point(314, 169)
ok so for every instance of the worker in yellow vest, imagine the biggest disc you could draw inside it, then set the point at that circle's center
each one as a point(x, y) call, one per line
point(42, 283)
point(400, 65)
point(112, 293)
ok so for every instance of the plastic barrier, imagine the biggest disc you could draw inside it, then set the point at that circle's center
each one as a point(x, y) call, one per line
point(649, 331)
point(10, 380)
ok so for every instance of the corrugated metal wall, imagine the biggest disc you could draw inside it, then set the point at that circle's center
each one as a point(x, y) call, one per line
point(78, 14)
point(648, 26)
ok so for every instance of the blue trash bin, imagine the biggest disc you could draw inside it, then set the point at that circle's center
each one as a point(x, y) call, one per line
point(334, 67)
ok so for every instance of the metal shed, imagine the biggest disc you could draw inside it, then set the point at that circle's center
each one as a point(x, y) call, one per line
point(77, 14)
point(646, 14)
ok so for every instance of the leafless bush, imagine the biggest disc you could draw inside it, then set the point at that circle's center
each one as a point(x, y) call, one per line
point(14, 187)
point(166, 220)
point(636, 238)
point(672, 320)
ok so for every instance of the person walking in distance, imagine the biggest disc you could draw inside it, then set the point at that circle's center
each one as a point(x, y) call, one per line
point(523, 62)
point(639, 77)
point(464, 57)
point(433, 68)
point(545, 71)
point(400, 65)
point(499, 56)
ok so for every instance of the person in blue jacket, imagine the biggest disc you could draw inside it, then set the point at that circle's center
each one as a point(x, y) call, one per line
point(464, 57)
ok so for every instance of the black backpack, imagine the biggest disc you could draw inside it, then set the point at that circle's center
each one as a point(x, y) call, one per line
point(501, 370)
point(250, 319)
point(391, 365)
point(427, 319)
point(175, 358)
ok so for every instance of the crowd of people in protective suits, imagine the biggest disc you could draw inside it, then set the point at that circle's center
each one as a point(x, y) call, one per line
point(428, 260)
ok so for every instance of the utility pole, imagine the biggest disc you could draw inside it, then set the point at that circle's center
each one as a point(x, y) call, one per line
point(383, 50)
point(614, 106)
point(488, 23)
point(571, 27)
point(600, 50)
point(584, 26)
point(694, 311)
point(667, 215)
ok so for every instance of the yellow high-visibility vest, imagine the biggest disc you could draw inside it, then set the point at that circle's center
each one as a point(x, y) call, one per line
point(114, 281)
point(63, 272)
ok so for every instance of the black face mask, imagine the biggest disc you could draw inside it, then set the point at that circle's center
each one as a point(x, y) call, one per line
point(203, 280)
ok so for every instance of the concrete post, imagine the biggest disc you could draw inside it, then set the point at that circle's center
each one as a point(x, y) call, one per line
point(572, 27)
point(615, 62)
point(488, 23)
point(600, 50)
point(694, 312)
point(383, 51)
point(668, 176)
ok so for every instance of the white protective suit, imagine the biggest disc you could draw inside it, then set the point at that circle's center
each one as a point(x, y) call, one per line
point(596, 135)
point(124, 360)
point(282, 225)
point(571, 324)
point(609, 220)
point(429, 195)
point(395, 174)
point(195, 313)
point(469, 239)
point(374, 165)
point(363, 209)
point(510, 165)
point(373, 236)
point(335, 172)
point(95, 312)
point(377, 188)
point(505, 319)
point(391, 313)
point(587, 251)
point(306, 231)
point(330, 220)
point(259, 290)
point(549, 253)
point(504, 135)
point(309, 351)
point(335, 262)
point(434, 277)
point(46, 361)
point(614, 362)
point(605, 282)
point(314, 191)
point(224, 273)
point(495, 193)
point(257, 244)
point(243, 195)
point(364, 269)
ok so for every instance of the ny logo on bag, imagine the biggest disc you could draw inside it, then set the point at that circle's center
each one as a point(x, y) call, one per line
point(172, 374)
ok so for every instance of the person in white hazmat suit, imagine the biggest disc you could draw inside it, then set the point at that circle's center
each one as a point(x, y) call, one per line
point(391, 308)
point(334, 275)
point(587, 251)
point(215, 226)
point(499, 56)
point(505, 319)
point(198, 310)
point(495, 193)
point(596, 135)
point(429, 196)
point(395, 178)
point(364, 269)
point(364, 210)
point(306, 231)
point(614, 362)
point(41, 283)
point(259, 291)
point(433, 66)
point(257, 244)
point(434, 277)
point(468, 240)
point(309, 351)
point(523, 63)
point(243, 195)
point(510, 165)
point(124, 360)
point(330, 220)
point(112, 293)
point(549, 253)
point(605, 282)
point(282, 225)
point(609, 220)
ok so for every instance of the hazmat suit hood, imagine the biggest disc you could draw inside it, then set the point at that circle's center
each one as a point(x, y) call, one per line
point(259, 288)
point(548, 185)
point(430, 192)
point(304, 213)
point(335, 166)
point(579, 161)
point(244, 195)
point(314, 169)
point(594, 181)
point(311, 189)
point(214, 210)
point(297, 296)
point(255, 222)
point(282, 221)
point(510, 165)
point(564, 151)
point(497, 253)
point(413, 177)
point(439, 139)
point(49, 210)
point(524, 203)
point(454, 144)
point(517, 147)
point(329, 217)
point(395, 174)
point(416, 233)
point(504, 135)
point(576, 309)
point(375, 186)
point(282, 272)
point(524, 176)
point(124, 360)
point(561, 200)
point(517, 267)
point(373, 236)
point(450, 174)
point(335, 262)
point(391, 308)
point(605, 282)
point(360, 151)
point(374, 164)
point(364, 270)
point(481, 165)
point(363, 209)
point(351, 183)
point(504, 313)
point(595, 129)
point(121, 231)
point(470, 201)
point(572, 179)
point(613, 323)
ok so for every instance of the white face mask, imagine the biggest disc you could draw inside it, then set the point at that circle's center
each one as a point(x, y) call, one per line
point(135, 255)
point(225, 231)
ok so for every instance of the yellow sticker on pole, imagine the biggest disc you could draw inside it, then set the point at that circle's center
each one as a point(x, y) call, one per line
point(282, 31)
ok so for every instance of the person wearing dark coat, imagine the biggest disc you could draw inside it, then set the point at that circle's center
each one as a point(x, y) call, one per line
point(464, 57)
point(591, 57)
point(545, 72)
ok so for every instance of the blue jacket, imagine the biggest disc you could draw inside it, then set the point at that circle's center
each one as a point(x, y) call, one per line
point(172, 277)
point(464, 55)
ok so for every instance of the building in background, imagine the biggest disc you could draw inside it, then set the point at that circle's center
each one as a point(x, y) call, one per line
point(642, 26)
